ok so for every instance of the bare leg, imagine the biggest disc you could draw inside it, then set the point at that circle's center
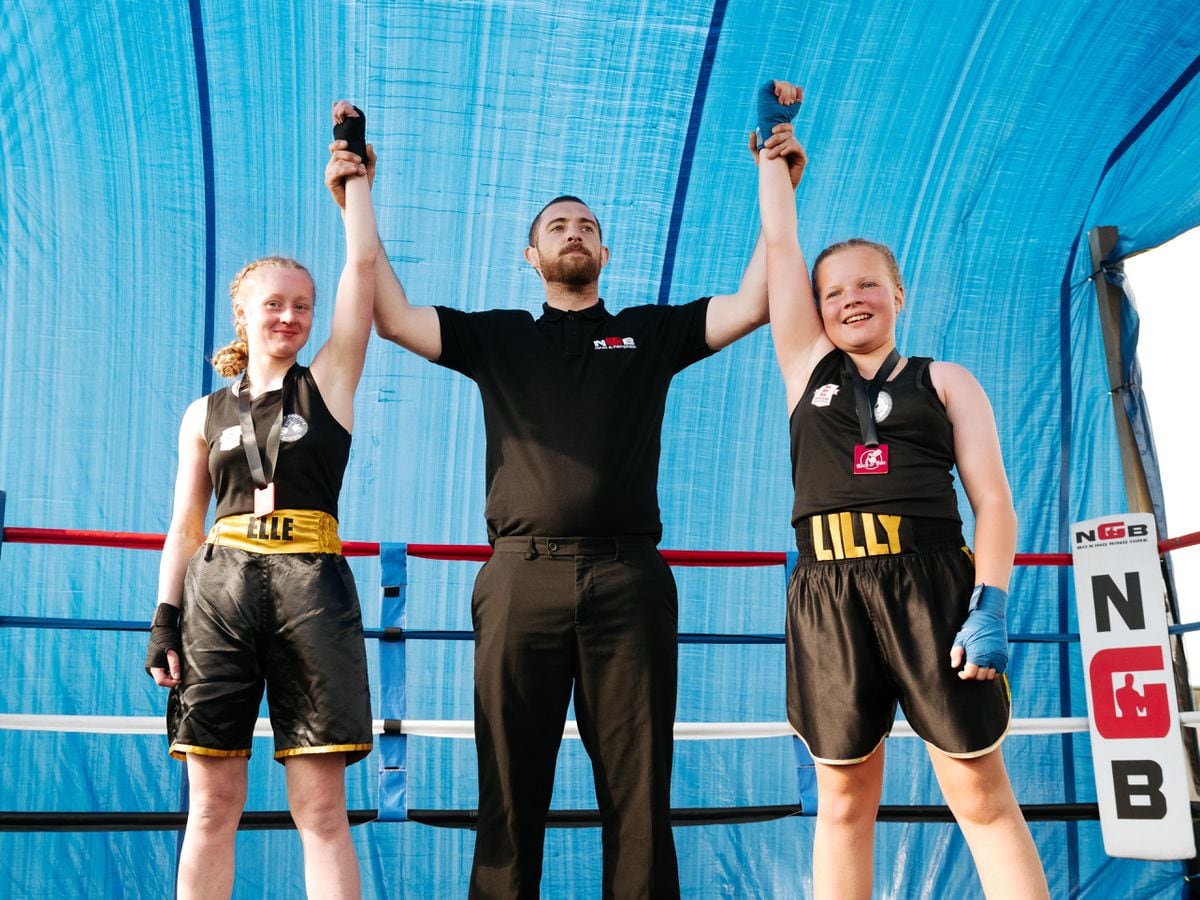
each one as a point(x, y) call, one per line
point(316, 786)
point(981, 798)
point(216, 796)
point(844, 845)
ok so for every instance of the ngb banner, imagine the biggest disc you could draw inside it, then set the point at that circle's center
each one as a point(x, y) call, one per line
point(1141, 780)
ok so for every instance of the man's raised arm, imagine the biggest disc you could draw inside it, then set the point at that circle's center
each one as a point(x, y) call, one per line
point(415, 328)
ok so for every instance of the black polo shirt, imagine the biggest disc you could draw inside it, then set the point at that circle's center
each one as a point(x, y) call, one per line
point(573, 407)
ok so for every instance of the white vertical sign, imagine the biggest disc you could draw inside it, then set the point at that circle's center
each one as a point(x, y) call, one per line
point(1137, 751)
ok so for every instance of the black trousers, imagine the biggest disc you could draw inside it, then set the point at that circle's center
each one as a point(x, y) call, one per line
point(600, 617)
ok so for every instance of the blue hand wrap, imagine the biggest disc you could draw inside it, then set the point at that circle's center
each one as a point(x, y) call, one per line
point(353, 130)
point(984, 635)
point(771, 112)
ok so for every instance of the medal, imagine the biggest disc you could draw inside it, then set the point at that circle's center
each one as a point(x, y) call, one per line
point(264, 486)
point(870, 457)
point(264, 500)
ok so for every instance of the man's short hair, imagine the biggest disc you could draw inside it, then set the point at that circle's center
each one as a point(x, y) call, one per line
point(562, 198)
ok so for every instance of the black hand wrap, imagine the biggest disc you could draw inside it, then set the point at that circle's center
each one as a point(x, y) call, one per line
point(353, 130)
point(164, 636)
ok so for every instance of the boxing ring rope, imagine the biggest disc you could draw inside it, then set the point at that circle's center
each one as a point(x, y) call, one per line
point(465, 728)
point(480, 553)
point(395, 730)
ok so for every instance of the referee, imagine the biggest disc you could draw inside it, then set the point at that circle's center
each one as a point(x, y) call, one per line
point(576, 598)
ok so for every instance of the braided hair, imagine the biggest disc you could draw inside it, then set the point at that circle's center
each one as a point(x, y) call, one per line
point(232, 359)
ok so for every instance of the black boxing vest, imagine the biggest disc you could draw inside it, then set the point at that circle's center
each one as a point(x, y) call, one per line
point(919, 435)
point(313, 448)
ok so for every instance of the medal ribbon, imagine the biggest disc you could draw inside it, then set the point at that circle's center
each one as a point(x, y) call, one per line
point(261, 474)
point(867, 392)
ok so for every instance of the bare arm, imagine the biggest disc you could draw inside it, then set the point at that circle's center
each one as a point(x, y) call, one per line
point(796, 327)
point(981, 468)
point(193, 489)
point(338, 365)
point(415, 328)
point(732, 316)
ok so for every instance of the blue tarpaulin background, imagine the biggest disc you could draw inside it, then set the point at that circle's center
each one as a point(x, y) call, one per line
point(151, 148)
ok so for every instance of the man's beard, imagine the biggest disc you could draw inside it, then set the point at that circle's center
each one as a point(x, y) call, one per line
point(577, 269)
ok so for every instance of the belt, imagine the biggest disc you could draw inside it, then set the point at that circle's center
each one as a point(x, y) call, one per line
point(833, 536)
point(533, 546)
point(284, 531)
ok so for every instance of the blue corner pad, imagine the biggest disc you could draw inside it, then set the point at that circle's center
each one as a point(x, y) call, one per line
point(393, 579)
point(393, 792)
point(394, 560)
point(393, 680)
point(393, 751)
point(394, 584)
point(2, 495)
point(393, 755)
point(806, 778)
point(793, 557)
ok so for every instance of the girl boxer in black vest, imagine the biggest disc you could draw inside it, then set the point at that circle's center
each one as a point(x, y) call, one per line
point(887, 605)
point(267, 598)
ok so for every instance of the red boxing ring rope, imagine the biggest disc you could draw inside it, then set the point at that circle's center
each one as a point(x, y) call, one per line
point(480, 552)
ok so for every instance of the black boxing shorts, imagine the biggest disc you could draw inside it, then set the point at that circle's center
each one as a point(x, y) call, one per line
point(873, 608)
point(273, 616)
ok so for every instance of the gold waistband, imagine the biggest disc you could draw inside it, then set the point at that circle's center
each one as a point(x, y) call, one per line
point(834, 535)
point(284, 531)
point(831, 536)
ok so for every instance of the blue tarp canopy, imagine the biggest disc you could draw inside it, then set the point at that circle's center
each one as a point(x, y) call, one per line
point(151, 148)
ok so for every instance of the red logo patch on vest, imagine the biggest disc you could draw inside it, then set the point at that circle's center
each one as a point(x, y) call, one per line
point(870, 460)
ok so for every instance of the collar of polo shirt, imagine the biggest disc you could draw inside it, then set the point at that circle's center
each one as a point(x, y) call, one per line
point(595, 311)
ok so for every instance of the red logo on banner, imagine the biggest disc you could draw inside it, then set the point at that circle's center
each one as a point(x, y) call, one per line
point(1109, 531)
point(1125, 712)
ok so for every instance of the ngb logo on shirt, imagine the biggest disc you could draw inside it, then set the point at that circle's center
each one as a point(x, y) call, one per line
point(614, 343)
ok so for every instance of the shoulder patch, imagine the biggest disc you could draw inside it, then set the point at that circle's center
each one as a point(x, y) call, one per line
point(824, 395)
point(230, 438)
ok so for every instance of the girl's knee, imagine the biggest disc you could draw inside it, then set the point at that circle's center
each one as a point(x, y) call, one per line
point(318, 805)
point(215, 810)
point(849, 795)
point(216, 803)
point(847, 804)
point(980, 801)
point(320, 816)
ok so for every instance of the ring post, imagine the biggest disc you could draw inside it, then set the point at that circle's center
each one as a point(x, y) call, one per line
point(393, 749)
point(1, 521)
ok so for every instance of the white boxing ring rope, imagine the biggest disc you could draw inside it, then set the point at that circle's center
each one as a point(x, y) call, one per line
point(465, 728)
